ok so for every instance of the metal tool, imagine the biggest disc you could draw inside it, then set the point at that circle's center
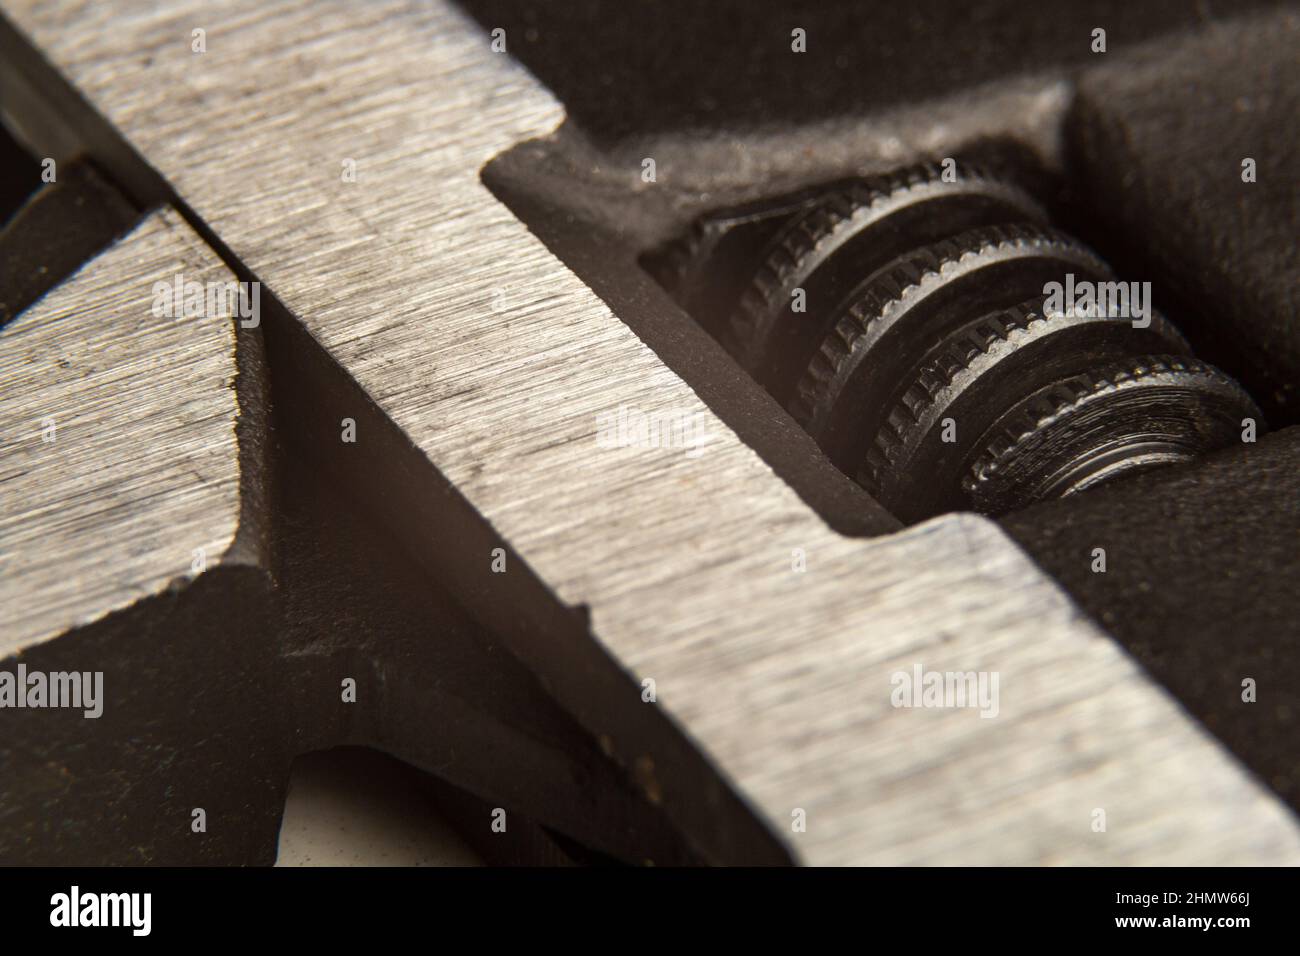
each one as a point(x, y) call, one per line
point(683, 658)
point(905, 322)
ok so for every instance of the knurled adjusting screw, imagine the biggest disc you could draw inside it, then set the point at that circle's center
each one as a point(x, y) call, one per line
point(904, 322)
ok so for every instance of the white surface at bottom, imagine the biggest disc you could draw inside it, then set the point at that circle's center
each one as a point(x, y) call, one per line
point(361, 808)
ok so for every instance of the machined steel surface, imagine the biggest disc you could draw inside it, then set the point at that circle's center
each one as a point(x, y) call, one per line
point(493, 361)
point(120, 459)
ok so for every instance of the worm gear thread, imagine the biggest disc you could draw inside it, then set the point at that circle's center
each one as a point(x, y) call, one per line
point(904, 322)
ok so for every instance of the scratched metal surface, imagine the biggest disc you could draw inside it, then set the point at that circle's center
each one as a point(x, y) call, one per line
point(143, 467)
point(685, 563)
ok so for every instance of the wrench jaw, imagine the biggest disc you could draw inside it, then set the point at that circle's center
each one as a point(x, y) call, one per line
point(293, 625)
point(136, 561)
